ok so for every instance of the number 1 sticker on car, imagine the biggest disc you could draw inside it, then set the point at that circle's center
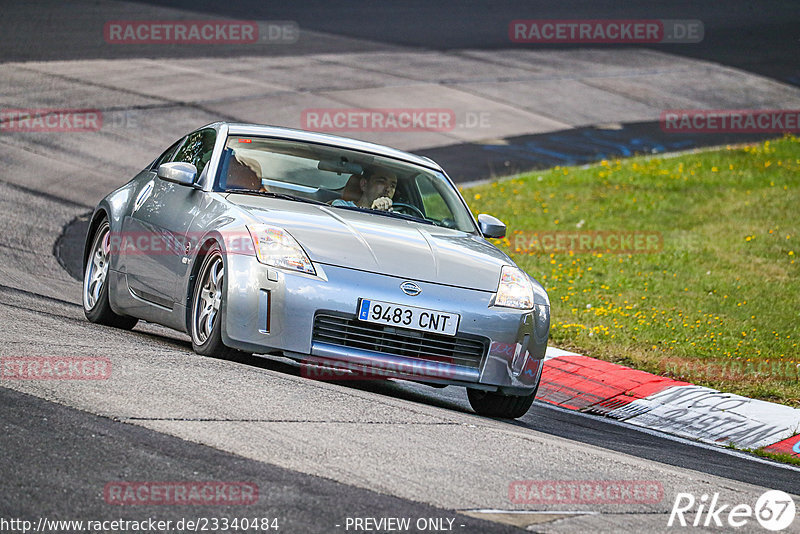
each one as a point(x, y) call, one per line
point(421, 319)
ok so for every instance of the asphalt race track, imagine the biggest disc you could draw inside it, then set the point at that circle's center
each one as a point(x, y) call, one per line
point(322, 452)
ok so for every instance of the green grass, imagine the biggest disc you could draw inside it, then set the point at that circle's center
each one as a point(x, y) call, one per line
point(777, 456)
point(718, 305)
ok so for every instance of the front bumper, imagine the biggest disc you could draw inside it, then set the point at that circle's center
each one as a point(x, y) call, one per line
point(273, 312)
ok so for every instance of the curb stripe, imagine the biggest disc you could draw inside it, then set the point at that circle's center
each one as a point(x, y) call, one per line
point(582, 383)
point(787, 446)
point(585, 384)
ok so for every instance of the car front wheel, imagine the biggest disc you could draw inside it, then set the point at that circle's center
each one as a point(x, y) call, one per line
point(206, 319)
point(95, 283)
point(492, 404)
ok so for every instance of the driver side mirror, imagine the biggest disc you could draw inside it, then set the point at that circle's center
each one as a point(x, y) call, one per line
point(178, 172)
point(491, 226)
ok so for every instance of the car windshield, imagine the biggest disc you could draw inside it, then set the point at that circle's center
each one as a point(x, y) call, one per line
point(343, 179)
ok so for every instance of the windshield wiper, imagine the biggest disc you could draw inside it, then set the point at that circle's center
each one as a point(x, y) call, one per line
point(270, 194)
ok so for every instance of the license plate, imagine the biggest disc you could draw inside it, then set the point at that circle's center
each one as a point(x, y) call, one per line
point(424, 320)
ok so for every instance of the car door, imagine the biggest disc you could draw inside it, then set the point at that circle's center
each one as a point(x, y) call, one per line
point(158, 225)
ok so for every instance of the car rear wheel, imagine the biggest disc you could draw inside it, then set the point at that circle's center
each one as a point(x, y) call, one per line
point(492, 404)
point(95, 283)
point(206, 319)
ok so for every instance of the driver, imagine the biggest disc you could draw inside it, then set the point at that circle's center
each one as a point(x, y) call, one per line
point(377, 189)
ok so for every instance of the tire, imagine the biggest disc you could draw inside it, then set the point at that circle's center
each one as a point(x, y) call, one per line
point(206, 317)
point(492, 404)
point(95, 283)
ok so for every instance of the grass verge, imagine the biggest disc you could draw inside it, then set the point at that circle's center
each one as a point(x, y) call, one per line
point(683, 266)
point(777, 456)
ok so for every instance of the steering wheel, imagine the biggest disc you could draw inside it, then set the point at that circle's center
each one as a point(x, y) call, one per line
point(408, 207)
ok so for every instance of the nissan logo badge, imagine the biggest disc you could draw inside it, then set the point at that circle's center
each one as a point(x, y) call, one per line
point(411, 289)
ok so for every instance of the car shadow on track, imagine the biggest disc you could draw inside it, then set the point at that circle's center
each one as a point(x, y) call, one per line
point(389, 387)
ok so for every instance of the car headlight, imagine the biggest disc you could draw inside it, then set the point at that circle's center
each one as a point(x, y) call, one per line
point(276, 247)
point(514, 290)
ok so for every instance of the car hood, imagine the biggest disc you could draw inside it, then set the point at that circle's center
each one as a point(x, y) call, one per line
point(380, 244)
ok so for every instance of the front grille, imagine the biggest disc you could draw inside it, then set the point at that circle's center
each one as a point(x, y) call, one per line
point(460, 350)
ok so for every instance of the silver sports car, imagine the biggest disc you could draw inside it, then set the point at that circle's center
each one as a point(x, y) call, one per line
point(341, 254)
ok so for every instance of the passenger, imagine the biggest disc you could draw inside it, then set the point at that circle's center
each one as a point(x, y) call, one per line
point(375, 190)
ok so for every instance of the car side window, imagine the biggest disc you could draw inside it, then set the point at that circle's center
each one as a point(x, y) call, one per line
point(165, 157)
point(432, 201)
point(197, 149)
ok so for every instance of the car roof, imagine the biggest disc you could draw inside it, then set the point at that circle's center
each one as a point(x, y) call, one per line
point(237, 128)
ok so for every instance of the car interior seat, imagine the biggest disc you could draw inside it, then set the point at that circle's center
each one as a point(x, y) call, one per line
point(241, 175)
point(352, 189)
